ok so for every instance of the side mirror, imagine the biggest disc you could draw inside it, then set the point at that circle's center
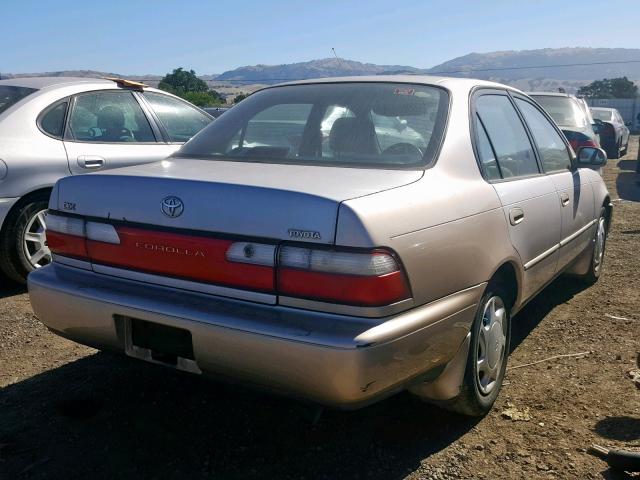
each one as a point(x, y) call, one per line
point(591, 157)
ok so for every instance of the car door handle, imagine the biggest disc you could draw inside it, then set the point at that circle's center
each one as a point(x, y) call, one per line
point(564, 199)
point(91, 161)
point(516, 215)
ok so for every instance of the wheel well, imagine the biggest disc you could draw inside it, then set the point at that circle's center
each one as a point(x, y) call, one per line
point(25, 199)
point(506, 276)
point(608, 208)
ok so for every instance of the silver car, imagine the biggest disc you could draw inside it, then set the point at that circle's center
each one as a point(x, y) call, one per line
point(54, 127)
point(332, 269)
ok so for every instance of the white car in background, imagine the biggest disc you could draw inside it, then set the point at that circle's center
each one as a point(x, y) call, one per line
point(52, 127)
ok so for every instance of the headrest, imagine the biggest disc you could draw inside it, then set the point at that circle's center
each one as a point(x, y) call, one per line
point(352, 135)
point(110, 117)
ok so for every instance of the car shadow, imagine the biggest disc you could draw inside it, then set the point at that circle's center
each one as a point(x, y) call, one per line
point(107, 416)
point(561, 290)
point(8, 289)
point(622, 428)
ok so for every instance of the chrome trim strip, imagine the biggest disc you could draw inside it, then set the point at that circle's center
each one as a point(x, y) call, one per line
point(541, 257)
point(577, 233)
point(186, 284)
point(351, 310)
point(72, 262)
point(557, 246)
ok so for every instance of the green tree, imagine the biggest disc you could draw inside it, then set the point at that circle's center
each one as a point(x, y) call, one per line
point(182, 81)
point(187, 85)
point(204, 99)
point(238, 98)
point(610, 88)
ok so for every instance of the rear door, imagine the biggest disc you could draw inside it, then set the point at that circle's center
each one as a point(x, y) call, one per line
point(528, 197)
point(110, 129)
point(575, 195)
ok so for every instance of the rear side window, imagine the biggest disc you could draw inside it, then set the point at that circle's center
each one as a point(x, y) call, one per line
point(52, 120)
point(505, 131)
point(10, 95)
point(109, 117)
point(181, 120)
point(552, 149)
point(485, 150)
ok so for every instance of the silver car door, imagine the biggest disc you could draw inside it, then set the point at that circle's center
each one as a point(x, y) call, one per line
point(575, 195)
point(109, 129)
point(528, 197)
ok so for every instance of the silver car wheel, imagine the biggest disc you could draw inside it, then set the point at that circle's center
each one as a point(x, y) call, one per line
point(34, 241)
point(598, 250)
point(492, 339)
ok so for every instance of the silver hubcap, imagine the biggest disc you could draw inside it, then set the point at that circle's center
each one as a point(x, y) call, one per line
point(598, 250)
point(35, 241)
point(492, 340)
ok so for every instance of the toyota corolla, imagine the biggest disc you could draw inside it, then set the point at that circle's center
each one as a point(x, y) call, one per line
point(333, 240)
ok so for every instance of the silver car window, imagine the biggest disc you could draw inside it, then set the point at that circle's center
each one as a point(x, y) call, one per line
point(180, 119)
point(109, 117)
point(10, 95)
point(352, 124)
point(508, 137)
point(553, 151)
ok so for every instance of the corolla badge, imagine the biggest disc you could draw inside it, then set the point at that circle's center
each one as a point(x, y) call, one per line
point(172, 206)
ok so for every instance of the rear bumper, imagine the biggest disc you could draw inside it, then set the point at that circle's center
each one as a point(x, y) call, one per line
point(5, 207)
point(330, 359)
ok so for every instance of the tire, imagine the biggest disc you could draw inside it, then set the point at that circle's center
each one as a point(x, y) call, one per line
point(600, 243)
point(615, 152)
point(481, 385)
point(19, 255)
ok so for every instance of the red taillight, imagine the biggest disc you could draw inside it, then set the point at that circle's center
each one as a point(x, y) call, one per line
point(577, 143)
point(365, 279)
point(196, 258)
point(371, 278)
point(66, 236)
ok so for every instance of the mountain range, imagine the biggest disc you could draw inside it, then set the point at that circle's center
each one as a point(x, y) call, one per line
point(542, 69)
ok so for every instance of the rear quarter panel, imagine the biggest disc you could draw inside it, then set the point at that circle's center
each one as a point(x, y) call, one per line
point(448, 228)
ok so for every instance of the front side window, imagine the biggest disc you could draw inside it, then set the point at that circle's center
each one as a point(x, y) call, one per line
point(181, 120)
point(507, 135)
point(351, 124)
point(10, 95)
point(109, 117)
point(553, 151)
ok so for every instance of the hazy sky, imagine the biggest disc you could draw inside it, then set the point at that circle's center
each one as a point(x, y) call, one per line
point(140, 36)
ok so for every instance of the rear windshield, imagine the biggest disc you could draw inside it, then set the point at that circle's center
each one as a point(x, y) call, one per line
point(10, 95)
point(604, 115)
point(565, 111)
point(383, 125)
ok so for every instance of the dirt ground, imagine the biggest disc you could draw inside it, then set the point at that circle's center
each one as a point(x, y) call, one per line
point(67, 411)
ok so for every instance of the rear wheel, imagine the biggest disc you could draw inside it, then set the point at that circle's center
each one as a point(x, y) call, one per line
point(488, 354)
point(23, 246)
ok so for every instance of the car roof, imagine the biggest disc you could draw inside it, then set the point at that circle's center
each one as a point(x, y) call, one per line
point(44, 82)
point(447, 82)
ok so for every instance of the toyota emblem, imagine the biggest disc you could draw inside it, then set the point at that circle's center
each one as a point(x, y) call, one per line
point(172, 207)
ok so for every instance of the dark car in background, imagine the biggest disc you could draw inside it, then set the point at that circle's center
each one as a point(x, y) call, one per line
point(570, 115)
point(614, 134)
point(215, 112)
